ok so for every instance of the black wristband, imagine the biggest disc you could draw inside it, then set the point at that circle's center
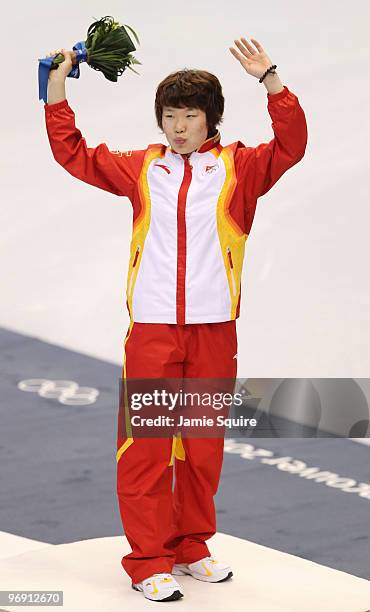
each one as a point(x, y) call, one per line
point(271, 69)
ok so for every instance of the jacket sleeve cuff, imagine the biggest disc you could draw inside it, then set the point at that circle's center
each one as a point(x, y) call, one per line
point(279, 95)
point(56, 106)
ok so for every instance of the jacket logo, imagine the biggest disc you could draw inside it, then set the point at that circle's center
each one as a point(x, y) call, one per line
point(166, 168)
point(210, 169)
point(120, 153)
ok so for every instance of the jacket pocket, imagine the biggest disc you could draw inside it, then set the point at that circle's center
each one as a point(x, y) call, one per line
point(232, 272)
point(133, 270)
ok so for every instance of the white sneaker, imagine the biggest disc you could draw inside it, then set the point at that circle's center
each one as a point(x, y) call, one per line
point(160, 587)
point(207, 569)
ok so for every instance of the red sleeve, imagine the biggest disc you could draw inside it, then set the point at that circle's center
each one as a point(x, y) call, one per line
point(113, 171)
point(263, 165)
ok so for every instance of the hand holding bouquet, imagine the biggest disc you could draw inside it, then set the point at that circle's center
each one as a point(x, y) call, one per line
point(107, 48)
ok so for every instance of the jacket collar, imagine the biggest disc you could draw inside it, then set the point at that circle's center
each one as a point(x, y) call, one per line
point(209, 143)
point(206, 146)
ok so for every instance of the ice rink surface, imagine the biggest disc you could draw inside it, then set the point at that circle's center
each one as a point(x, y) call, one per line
point(58, 469)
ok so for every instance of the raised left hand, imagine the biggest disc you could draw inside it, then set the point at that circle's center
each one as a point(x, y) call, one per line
point(254, 62)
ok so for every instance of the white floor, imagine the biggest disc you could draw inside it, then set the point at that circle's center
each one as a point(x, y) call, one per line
point(90, 575)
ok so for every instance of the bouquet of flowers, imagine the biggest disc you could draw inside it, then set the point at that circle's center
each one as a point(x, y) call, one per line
point(107, 48)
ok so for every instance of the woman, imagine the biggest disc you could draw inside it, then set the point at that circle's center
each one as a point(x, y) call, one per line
point(193, 207)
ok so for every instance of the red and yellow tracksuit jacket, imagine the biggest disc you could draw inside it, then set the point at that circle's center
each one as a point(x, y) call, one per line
point(191, 215)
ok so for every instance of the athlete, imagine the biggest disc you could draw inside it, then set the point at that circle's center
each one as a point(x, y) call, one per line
point(193, 203)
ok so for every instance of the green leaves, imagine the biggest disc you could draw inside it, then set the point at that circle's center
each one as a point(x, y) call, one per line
point(58, 59)
point(109, 48)
point(134, 33)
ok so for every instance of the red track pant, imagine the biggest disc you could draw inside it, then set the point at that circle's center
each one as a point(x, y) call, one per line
point(163, 526)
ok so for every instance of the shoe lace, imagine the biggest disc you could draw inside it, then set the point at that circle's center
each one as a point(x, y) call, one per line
point(148, 583)
point(210, 559)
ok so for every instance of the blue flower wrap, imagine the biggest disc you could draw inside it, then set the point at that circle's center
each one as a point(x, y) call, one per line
point(45, 64)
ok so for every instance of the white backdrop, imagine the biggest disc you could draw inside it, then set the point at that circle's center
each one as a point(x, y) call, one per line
point(64, 246)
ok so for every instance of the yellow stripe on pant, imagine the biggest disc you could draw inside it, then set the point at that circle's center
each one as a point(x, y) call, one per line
point(130, 439)
point(177, 450)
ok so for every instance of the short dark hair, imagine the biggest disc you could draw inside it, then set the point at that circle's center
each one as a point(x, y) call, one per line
point(194, 89)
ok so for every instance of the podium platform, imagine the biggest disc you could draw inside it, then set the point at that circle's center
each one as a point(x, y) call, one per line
point(90, 575)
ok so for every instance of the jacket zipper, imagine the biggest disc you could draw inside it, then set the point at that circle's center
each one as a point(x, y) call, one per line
point(132, 270)
point(231, 270)
point(181, 242)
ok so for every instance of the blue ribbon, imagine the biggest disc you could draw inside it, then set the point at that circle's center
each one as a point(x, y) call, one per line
point(45, 63)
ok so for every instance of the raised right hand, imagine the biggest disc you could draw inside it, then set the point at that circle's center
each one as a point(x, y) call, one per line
point(60, 73)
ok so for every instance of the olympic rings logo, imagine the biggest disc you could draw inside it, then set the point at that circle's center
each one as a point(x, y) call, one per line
point(65, 391)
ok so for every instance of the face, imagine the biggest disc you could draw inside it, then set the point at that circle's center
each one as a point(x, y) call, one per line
point(188, 124)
